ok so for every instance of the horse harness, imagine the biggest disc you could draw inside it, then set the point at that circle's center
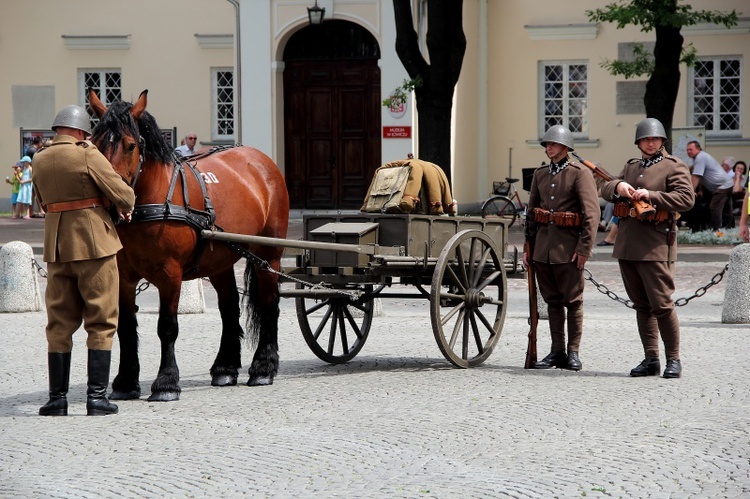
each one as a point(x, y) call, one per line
point(197, 219)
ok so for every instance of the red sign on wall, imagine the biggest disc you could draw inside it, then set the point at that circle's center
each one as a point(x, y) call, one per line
point(396, 132)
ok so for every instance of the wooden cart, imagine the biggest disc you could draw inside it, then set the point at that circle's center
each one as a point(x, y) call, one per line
point(344, 262)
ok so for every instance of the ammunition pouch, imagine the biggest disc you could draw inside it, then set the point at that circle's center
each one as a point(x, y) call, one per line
point(559, 218)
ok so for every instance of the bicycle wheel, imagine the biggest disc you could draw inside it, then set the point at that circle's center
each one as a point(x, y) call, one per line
point(500, 207)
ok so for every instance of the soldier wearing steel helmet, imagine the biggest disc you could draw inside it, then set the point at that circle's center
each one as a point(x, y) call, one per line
point(646, 248)
point(74, 182)
point(563, 218)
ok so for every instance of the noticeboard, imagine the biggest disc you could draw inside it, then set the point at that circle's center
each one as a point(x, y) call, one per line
point(170, 135)
point(27, 136)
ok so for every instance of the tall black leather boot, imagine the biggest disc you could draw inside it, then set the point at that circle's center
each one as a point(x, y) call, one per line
point(58, 365)
point(97, 403)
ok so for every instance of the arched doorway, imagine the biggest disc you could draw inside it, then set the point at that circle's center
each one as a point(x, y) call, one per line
point(331, 115)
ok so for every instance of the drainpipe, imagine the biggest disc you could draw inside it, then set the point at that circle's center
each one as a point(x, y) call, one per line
point(237, 73)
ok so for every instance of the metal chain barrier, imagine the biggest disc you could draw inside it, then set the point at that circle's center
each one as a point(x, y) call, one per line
point(39, 270)
point(680, 302)
point(354, 295)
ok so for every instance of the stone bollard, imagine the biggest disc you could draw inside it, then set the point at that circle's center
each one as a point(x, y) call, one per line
point(192, 300)
point(737, 292)
point(19, 287)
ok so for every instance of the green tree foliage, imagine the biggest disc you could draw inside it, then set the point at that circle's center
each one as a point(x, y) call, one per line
point(666, 18)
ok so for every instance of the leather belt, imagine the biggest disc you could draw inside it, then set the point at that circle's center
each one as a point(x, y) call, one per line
point(78, 204)
point(560, 218)
point(624, 210)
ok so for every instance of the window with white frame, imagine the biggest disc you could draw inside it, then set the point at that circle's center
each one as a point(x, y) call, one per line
point(223, 104)
point(714, 104)
point(107, 83)
point(564, 96)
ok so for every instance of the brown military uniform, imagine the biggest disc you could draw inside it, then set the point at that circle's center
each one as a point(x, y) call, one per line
point(80, 242)
point(561, 283)
point(646, 250)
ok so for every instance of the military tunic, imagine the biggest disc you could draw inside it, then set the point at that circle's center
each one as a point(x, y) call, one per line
point(80, 244)
point(646, 250)
point(561, 283)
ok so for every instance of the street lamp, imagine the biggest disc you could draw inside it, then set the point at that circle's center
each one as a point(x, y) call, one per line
point(316, 13)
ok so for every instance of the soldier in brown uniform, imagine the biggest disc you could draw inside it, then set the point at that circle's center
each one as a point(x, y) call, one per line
point(646, 248)
point(73, 181)
point(563, 218)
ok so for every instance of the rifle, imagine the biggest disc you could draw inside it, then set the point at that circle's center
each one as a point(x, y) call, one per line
point(642, 208)
point(533, 310)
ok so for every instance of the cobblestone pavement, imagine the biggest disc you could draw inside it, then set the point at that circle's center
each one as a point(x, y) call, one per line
point(398, 420)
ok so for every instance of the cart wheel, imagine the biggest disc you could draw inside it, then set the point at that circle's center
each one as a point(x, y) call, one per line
point(501, 207)
point(336, 328)
point(467, 299)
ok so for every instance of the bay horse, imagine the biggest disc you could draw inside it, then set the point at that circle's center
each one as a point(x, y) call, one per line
point(238, 190)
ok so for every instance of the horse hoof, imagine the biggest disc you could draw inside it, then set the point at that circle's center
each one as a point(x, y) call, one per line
point(164, 397)
point(131, 395)
point(224, 380)
point(260, 381)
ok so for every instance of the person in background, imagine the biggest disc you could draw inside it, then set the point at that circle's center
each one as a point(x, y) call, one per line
point(740, 181)
point(36, 144)
point(645, 249)
point(15, 183)
point(611, 237)
point(564, 216)
point(74, 181)
point(744, 229)
point(188, 147)
point(25, 196)
point(709, 174)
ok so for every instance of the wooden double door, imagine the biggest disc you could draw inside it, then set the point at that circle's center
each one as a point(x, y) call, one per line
point(331, 131)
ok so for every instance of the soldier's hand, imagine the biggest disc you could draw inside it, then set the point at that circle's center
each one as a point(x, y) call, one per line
point(579, 260)
point(745, 233)
point(625, 190)
point(641, 195)
point(125, 214)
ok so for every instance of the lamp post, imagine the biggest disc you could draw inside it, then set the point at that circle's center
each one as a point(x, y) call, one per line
point(316, 13)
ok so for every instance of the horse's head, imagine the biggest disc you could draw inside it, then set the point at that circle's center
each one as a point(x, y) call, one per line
point(117, 135)
point(128, 136)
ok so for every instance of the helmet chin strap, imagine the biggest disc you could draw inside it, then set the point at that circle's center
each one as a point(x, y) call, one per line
point(563, 154)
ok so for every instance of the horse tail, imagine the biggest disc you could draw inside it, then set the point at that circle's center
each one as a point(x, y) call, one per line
point(250, 301)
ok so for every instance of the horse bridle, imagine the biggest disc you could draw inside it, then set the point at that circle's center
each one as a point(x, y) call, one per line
point(141, 147)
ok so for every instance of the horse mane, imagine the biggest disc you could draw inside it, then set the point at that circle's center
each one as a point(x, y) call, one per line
point(118, 121)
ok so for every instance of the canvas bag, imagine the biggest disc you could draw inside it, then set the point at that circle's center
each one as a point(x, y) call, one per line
point(387, 190)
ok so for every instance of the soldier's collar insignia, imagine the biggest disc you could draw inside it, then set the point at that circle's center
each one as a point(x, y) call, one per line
point(555, 168)
point(646, 162)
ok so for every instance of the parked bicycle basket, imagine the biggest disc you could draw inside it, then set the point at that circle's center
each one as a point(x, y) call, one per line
point(501, 188)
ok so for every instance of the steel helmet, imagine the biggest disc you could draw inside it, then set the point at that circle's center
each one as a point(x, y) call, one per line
point(559, 135)
point(650, 127)
point(73, 117)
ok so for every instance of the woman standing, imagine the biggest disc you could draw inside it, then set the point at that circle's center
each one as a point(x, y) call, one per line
point(24, 193)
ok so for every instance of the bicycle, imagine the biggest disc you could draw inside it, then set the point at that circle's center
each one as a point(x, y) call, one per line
point(505, 203)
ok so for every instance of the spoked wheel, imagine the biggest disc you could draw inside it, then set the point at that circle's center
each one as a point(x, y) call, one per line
point(500, 207)
point(467, 299)
point(335, 328)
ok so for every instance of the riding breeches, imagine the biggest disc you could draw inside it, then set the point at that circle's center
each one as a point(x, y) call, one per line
point(650, 285)
point(82, 291)
point(561, 285)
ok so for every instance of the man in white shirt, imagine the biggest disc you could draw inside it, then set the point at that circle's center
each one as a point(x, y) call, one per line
point(708, 173)
point(188, 148)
